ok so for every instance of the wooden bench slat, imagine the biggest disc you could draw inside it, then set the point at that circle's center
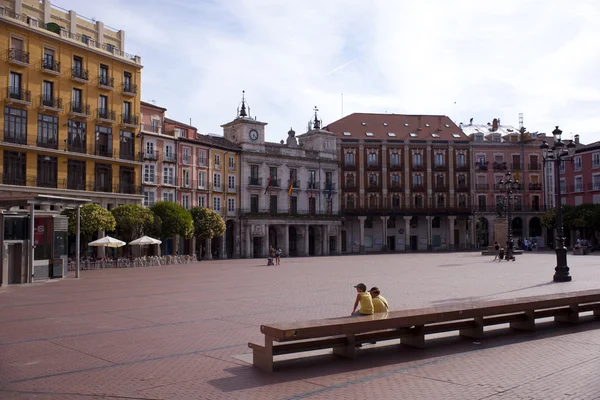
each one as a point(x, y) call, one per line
point(589, 307)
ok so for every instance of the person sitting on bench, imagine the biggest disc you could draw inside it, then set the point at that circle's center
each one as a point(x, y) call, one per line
point(501, 254)
point(364, 299)
point(380, 304)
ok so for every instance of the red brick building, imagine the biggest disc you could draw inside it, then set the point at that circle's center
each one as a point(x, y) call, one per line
point(580, 179)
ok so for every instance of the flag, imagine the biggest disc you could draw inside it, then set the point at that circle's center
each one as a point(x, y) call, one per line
point(268, 185)
point(291, 186)
point(329, 193)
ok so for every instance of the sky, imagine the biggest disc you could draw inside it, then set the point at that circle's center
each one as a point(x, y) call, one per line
point(462, 58)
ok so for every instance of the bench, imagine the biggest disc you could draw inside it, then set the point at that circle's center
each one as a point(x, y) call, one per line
point(410, 326)
point(581, 251)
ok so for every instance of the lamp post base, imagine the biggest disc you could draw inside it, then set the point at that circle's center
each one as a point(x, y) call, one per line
point(561, 272)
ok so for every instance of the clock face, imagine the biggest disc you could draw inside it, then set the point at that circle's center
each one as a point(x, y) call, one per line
point(253, 135)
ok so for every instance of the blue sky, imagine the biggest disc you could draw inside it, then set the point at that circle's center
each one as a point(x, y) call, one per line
point(461, 58)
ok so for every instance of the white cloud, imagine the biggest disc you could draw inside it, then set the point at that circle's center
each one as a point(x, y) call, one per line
point(463, 58)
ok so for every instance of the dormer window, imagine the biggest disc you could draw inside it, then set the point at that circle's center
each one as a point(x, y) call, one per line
point(406, 124)
point(412, 134)
point(447, 126)
point(369, 134)
point(385, 124)
point(456, 135)
point(427, 125)
point(363, 123)
point(479, 138)
point(435, 135)
point(391, 134)
point(347, 134)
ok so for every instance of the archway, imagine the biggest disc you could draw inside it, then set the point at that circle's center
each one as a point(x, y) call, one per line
point(273, 237)
point(311, 241)
point(230, 237)
point(517, 227)
point(293, 242)
point(482, 232)
point(535, 227)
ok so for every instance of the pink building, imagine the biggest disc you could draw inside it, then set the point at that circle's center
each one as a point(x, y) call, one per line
point(498, 149)
point(580, 179)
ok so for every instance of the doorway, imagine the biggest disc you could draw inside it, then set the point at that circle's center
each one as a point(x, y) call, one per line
point(17, 268)
point(456, 239)
point(311, 241)
point(391, 243)
point(414, 242)
point(230, 237)
point(273, 237)
point(258, 247)
point(293, 242)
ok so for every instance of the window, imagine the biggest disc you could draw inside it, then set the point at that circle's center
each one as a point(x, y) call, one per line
point(462, 180)
point(48, 94)
point(372, 180)
point(439, 160)
point(372, 159)
point(596, 182)
point(596, 160)
point(127, 149)
point(202, 159)
point(312, 205)
point(418, 202)
point(185, 201)
point(417, 159)
point(127, 112)
point(48, 61)
point(217, 161)
point(217, 181)
point(231, 164)
point(349, 159)
point(47, 131)
point(395, 180)
point(231, 182)
point(149, 174)
point(126, 179)
point(563, 186)
point(149, 199)
point(577, 163)
point(312, 179)
point(440, 202)
point(127, 86)
point(169, 196)
point(15, 87)
point(273, 204)
point(85, 39)
point(395, 204)
point(253, 203)
point(155, 125)
point(350, 180)
point(578, 184)
point(103, 78)
point(294, 205)
point(77, 105)
point(350, 202)
point(110, 48)
point(103, 141)
point(15, 125)
point(186, 155)
point(78, 67)
point(14, 172)
point(168, 176)
point(231, 205)
point(294, 177)
point(217, 204)
point(462, 200)
point(201, 179)
point(395, 159)
point(482, 202)
point(273, 175)
point(436, 222)
point(169, 156)
point(417, 180)
point(328, 178)
point(103, 107)
point(391, 134)
point(185, 178)
point(150, 148)
point(76, 140)
point(47, 169)
point(201, 201)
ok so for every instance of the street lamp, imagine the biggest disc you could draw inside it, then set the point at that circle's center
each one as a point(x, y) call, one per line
point(557, 154)
point(509, 186)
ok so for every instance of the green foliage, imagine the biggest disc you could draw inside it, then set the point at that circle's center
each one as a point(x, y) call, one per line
point(207, 223)
point(93, 218)
point(133, 221)
point(174, 219)
point(549, 219)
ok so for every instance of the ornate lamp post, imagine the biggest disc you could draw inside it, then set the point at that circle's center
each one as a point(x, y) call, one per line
point(508, 185)
point(557, 154)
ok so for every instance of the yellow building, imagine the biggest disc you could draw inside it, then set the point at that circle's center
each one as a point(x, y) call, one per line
point(71, 102)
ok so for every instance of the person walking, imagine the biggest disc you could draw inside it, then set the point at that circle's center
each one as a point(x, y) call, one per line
point(363, 298)
point(497, 250)
point(278, 256)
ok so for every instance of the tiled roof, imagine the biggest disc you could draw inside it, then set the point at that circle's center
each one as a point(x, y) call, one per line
point(487, 129)
point(145, 104)
point(217, 141)
point(173, 122)
point(397, 127)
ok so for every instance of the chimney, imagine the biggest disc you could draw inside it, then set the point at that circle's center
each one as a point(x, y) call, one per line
point(439, 123)
point(576, 139)
point(498, 121)
point(495, 124)
point(418, 122)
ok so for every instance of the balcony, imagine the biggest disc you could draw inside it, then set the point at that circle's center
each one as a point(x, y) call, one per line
point(395, 167)
point(130, 121)
point(10, 179)
point(295, 184)
point(80, 75)
point(102, 150)
point(102, 187)
point(189, 184)
point(350, 166)
point(329, 185)
point(535, 186)
point(516, 166)
point(440, 167)
point(286, 212)
point(126, 154)
point(231, 189)
point(149, 155)
point(254, 181)
point(482, 187)
point(462, 187)
point(129, 89)
point(534, 167)
point(152, 128)
point(373, 187)
point(231, 168)
point(77, 146)
point(16, 138)
point(350, 186)
point(418, 188)
point(106, 116)
point(408, 209)
point(418, 167)
point(594, 186)
point(128, 188)
point(481, 165)
point(46, 182)
point(500, 166)
point(312, 185)
point(170, 158)
point(441, 187)
point(373, 166)
point(16, 95)
point(74, 184)
point(50, 66)
point(18, 57)
point(276, 183)
point(49, 103)
point(395, 187)
point(216, 188)
point(48, 143)
point(202, 186)
point(106, 82)
point(79, 110)
point(462, 167)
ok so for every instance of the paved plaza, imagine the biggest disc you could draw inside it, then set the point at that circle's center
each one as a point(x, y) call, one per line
point(181, 332)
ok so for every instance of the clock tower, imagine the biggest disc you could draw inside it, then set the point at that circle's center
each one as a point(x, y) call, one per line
point(245, 130)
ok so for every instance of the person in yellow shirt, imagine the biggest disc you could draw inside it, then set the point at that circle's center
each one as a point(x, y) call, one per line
point(364, 299)
point(380, 304)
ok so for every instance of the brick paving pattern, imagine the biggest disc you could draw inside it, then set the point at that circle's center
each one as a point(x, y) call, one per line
point(177, 332)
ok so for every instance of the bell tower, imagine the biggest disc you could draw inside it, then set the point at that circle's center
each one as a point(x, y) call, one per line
point(245, 129)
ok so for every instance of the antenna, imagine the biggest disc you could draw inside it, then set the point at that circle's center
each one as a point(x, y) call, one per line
point(520, 120)
point(342, 105)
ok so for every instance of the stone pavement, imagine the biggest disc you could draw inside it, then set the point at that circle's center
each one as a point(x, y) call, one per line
point(178, 332)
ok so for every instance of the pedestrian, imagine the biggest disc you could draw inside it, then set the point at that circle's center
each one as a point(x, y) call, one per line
point(364, 299)
point(271, 256)
point(496, 250)
point(380, 304)
point(501, 254)
point(278, 256)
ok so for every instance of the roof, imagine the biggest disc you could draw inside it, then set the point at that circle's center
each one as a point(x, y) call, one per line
point(487, 129)
point(145, 104)
point(217, 141)
point(173, 122)
point(397, 127)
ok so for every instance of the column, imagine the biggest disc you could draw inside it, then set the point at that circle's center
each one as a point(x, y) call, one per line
point(237, 242)
point(208, 252)
point(77, 241)
point(407, 219)
point(490, 224)
point(451, 222)
point(247, 239)
point(266, 241)
point(223, 254)
point(429, 218)
point(384, 221)
point(473, 232)
point(100, 249)
point(338, 245)
point(306, 241)
point(361, 222)
point(30, 269)
point(286, 241)
point(193, 246)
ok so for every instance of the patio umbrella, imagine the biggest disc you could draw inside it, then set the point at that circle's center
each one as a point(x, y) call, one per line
point(144, 240)
point(107, 241)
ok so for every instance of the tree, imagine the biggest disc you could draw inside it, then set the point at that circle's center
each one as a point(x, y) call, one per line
point(549, 219)
point(207, 224)
point(93, 219)
point(174, 219)
point(133, 221)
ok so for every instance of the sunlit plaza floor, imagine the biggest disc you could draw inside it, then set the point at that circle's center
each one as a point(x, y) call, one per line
point(181, 332)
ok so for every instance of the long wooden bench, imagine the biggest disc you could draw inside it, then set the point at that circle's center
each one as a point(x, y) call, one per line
point(410, 326)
